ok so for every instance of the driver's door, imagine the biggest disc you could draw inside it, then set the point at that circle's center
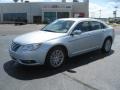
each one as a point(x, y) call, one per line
point(80, 43)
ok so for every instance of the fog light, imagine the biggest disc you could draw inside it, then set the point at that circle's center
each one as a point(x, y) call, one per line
point(28, 61)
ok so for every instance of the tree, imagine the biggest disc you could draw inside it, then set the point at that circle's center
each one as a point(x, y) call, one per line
point(15, 1)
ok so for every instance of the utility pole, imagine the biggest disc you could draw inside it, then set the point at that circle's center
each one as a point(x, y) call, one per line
point(100, 13)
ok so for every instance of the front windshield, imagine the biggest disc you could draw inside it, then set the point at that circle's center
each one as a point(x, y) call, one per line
point(59, 26)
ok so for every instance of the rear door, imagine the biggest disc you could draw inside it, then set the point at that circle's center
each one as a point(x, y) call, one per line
point(96, 33)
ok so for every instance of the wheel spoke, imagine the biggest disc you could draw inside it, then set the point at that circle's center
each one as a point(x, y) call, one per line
point(56, 58)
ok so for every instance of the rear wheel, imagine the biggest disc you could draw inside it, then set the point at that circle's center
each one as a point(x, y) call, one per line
point(107, 46)
point(56, 57)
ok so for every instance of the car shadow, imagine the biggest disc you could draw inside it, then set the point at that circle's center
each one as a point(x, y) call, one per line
point(34, 72)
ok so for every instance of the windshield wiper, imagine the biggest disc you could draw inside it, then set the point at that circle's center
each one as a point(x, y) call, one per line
point(49, 30)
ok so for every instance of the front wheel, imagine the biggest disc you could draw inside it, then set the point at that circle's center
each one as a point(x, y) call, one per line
point(55, 57)
point(107, 46)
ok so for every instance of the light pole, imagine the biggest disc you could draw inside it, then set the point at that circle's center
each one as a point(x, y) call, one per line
point(115, 12)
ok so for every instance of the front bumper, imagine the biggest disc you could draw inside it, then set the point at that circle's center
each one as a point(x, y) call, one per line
point(28, 58)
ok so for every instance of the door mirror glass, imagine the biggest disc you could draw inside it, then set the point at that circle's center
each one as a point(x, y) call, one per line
point(76, 32)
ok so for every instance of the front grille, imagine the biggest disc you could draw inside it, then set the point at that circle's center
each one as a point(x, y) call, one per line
point(15, 46)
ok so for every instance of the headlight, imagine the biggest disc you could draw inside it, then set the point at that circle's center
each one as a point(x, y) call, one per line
point(30, 47)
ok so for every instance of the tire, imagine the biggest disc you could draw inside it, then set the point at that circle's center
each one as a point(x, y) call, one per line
point(106, 48)
point(56, 57)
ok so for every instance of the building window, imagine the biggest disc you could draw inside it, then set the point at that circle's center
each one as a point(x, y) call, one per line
point(68, 6)
point(14, 16)
point(54, 6)
point(49, 16)
point(62, 14)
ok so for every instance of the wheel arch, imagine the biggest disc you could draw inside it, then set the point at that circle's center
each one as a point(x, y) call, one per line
point(108, 37)
point(47, 55)
point(59, 45)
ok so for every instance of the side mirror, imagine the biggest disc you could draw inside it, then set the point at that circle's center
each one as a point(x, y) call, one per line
point(76, 32)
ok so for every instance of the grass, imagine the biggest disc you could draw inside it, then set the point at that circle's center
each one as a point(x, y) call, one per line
point(114, 24)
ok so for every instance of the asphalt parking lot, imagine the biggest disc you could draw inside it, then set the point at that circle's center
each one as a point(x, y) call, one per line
point(91, 71)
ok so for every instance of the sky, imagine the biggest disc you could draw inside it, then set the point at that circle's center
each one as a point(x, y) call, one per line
point(97, 8)
point(105, 6)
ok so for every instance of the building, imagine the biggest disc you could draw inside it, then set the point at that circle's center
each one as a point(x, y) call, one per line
point(42, 11)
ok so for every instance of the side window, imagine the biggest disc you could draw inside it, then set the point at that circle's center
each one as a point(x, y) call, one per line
point(77, 27)
point(83, 26)
point(103, 26)
point(95, 25)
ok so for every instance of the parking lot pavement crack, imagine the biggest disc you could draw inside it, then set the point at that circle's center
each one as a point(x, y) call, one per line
point(78, 81)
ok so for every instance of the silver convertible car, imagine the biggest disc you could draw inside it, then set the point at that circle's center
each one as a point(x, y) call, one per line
point(60, 39)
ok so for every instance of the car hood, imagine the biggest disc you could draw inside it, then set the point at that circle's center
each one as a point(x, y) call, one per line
point(37, 37)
